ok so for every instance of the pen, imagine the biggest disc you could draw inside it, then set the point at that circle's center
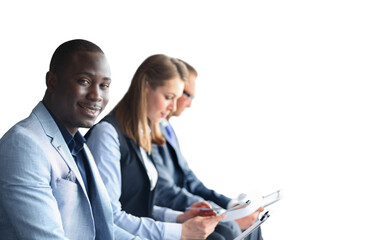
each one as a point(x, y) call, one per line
point(240, 206)
point(203, 209)
point(217, 209)
point(247, 203)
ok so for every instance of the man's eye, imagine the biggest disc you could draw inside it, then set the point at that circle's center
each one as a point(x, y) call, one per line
point(105, 85)
point(84, 81)
point(169, 97)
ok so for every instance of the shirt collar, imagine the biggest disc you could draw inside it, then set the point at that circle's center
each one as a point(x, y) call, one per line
point(75, 143)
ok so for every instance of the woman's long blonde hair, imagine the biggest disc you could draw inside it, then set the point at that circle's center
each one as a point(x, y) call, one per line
point(131, 111)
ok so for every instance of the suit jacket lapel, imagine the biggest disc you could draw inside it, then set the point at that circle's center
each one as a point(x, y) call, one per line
point(137, 151)
point(98, 196)
point(95, 177)
point(57, 140)
point(174, 146)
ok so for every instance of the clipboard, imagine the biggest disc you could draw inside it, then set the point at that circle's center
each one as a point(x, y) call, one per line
point(253, 227)
point(271, 198)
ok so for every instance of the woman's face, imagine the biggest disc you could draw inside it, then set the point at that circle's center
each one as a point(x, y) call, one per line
point(163, 100)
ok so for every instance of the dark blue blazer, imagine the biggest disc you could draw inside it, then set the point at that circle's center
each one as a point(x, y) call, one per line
point(136, 197)
point(177, 186)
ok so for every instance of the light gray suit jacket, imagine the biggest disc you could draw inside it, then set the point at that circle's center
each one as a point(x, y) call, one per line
point(42, 194)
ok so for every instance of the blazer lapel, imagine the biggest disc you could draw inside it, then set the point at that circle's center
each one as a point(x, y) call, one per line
point(137, 151)
point(95, 176)
point(174, 146)
point(139, 155)
point(57, 140)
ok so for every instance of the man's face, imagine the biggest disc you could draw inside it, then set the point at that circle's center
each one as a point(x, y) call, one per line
point(81, 90)
point(186, 99)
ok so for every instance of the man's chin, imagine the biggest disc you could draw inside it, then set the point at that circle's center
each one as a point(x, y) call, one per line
point(88, 123)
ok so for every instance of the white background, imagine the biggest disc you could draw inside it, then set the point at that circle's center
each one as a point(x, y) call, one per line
point(289, 94)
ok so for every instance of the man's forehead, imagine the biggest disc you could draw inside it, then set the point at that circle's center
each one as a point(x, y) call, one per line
point(89, 59)
point(90, 55)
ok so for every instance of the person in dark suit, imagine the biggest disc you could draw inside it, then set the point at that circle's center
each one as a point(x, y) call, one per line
point(122, 143)
point(178, 186)
point(50, 187)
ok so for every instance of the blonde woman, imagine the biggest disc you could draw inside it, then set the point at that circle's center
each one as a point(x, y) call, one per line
point(121, 144)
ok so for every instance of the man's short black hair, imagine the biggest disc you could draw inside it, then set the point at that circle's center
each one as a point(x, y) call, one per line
point(67, 49)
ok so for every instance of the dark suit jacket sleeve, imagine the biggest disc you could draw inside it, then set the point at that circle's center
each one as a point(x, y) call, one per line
point(196, 187)
point(168, 194)
point(179, 197)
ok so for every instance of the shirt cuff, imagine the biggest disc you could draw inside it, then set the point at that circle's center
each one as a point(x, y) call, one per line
point(171, 215)
point(172, 231)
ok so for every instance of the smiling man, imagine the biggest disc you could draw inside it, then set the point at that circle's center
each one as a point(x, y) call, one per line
point(50, 187)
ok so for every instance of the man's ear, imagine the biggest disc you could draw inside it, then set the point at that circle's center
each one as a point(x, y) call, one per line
point(51, 81)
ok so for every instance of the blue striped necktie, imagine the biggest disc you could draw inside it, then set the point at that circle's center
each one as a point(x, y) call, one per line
point(172, 137)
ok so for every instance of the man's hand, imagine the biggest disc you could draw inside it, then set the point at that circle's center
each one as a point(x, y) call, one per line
point(249, 220)
point(194, 210)
point(200, 227)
